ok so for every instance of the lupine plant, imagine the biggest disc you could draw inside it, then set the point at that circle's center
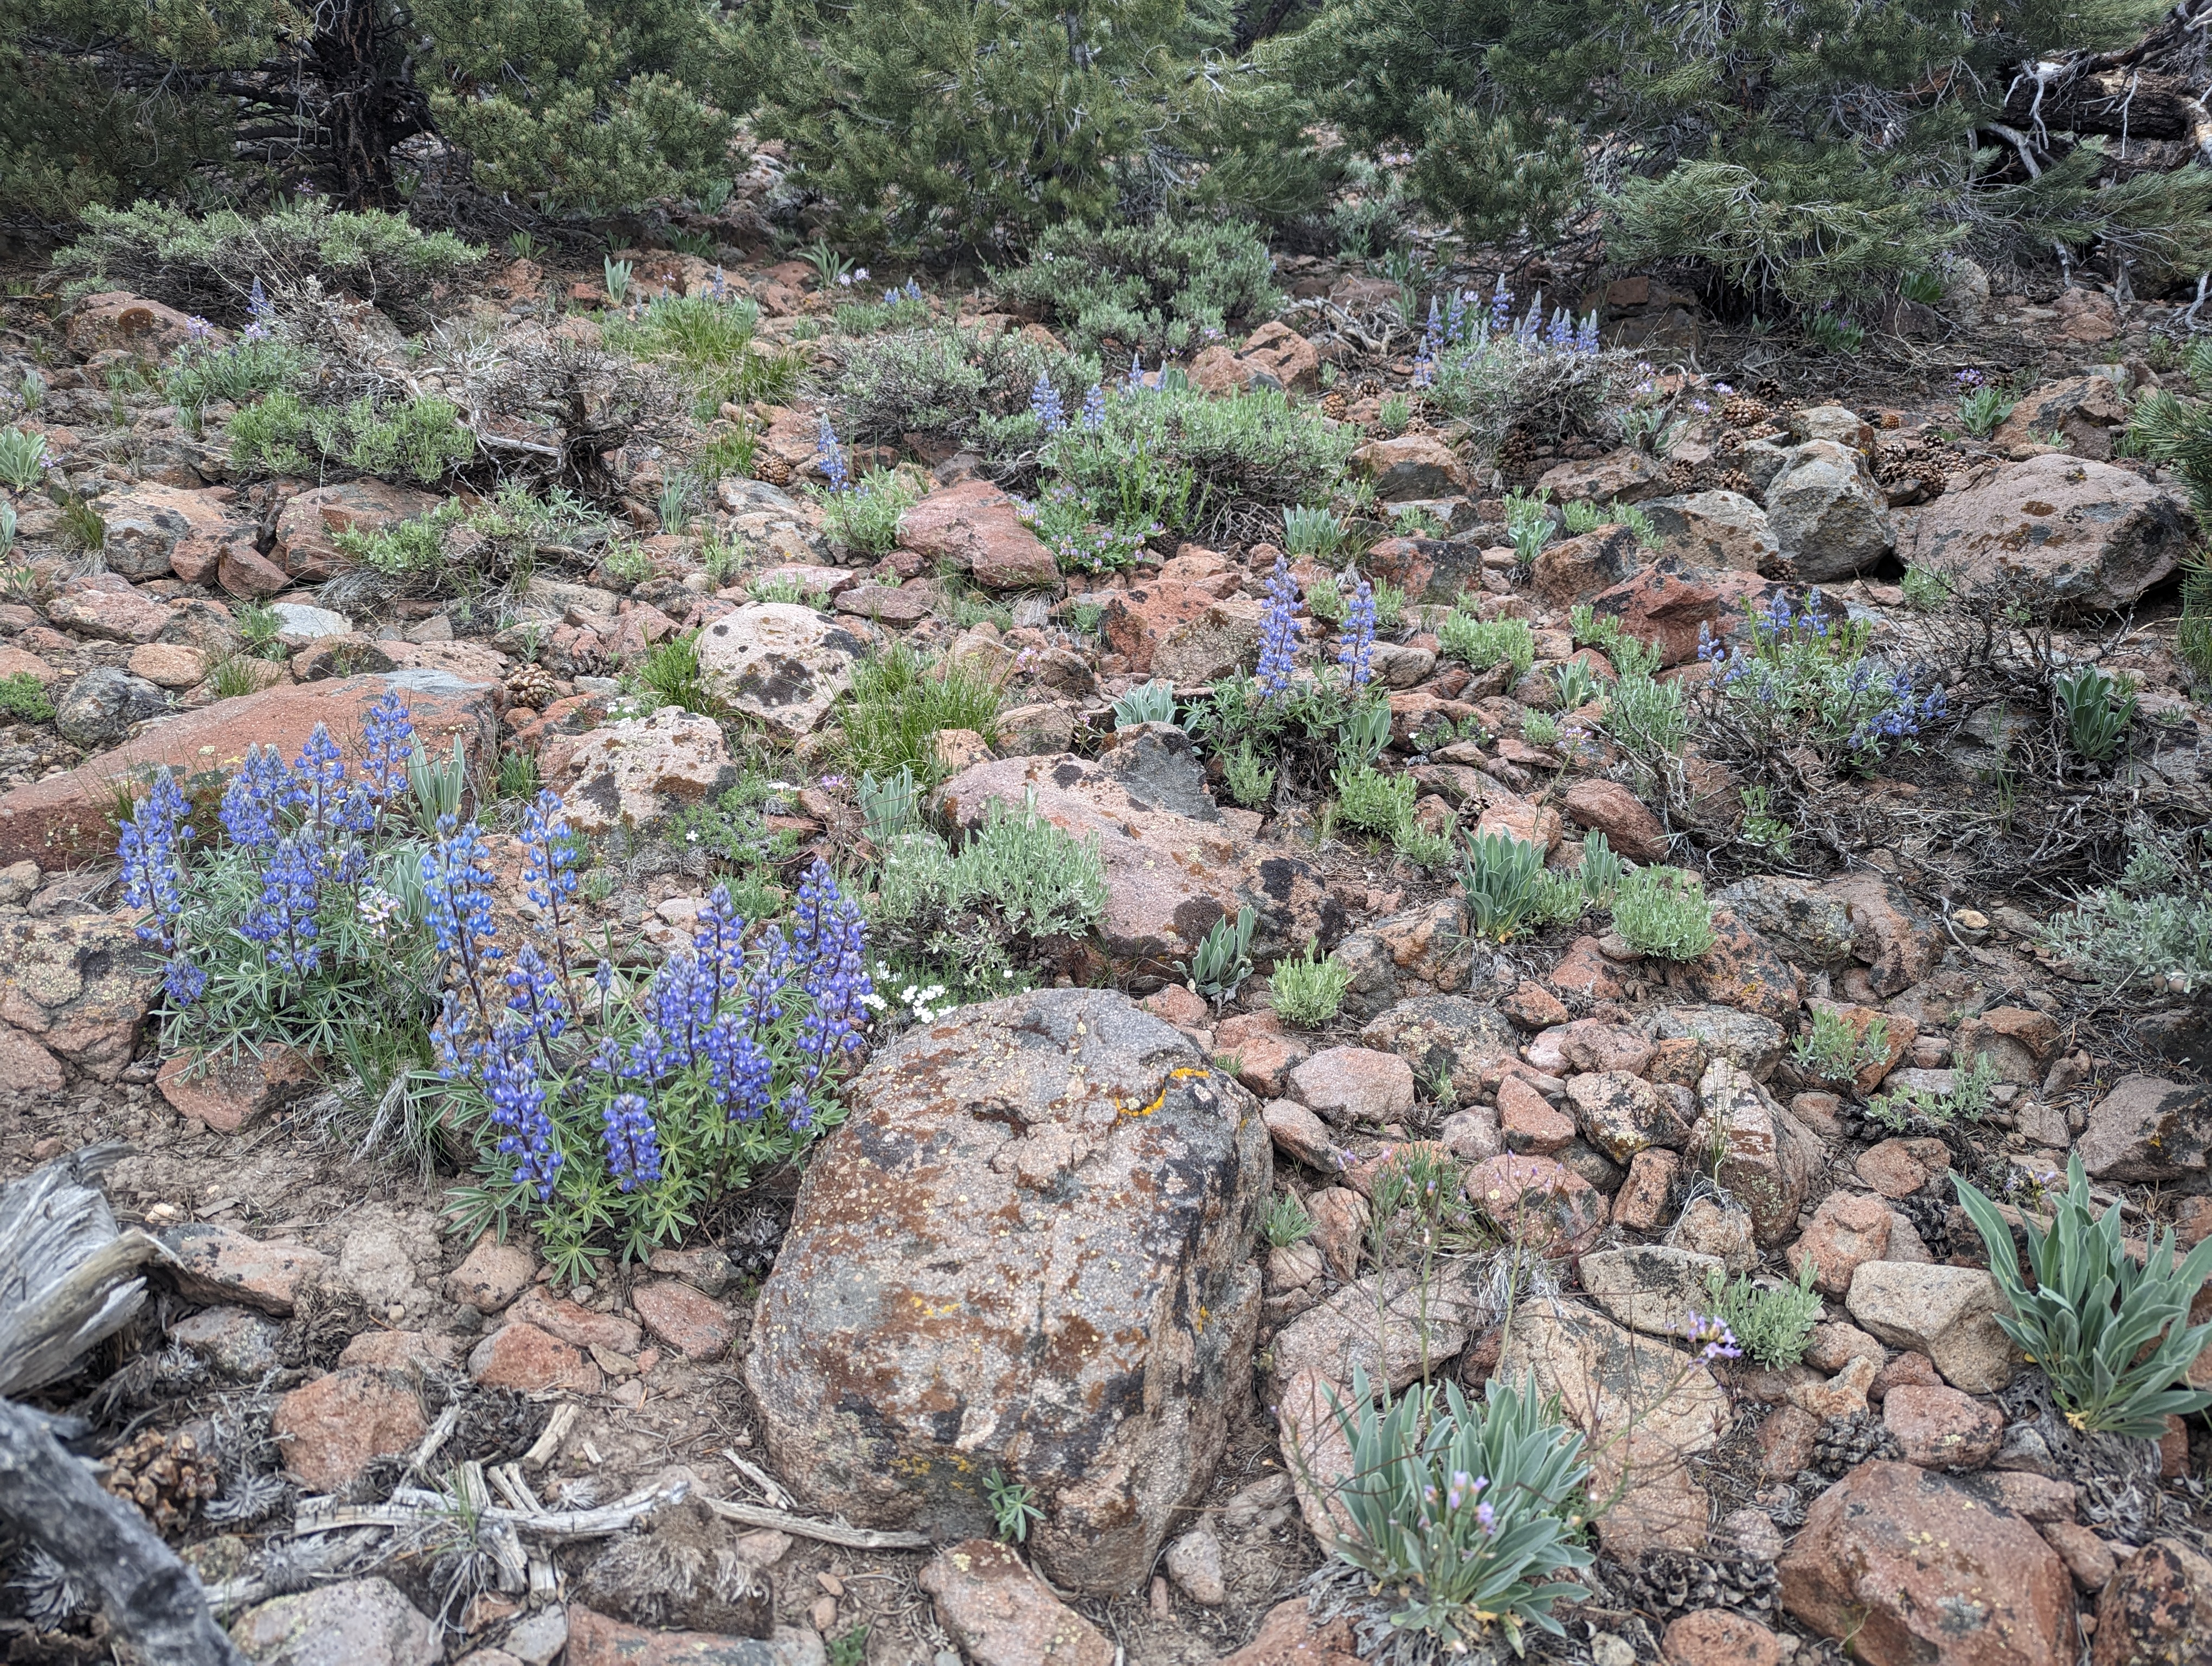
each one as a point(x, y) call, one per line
point(340, 896)
point(1803, 677)
point(1279, 629)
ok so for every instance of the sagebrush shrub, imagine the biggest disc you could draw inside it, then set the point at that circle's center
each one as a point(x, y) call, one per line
point(1307, 990)
point(1167, 285)
point(947, 380)
point(421, 440)
point(1662, 911)
point(1481, 643)
point(1771, 1325)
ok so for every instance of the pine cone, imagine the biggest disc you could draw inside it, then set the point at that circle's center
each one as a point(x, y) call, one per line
point(1665, 1583)
point(1744, 411)
point(1845, 1443)
point(531, 686)
point(1730, 480)
point(768, 466)
point(1515, 454)
point(1333, 405)
point(165, 1475)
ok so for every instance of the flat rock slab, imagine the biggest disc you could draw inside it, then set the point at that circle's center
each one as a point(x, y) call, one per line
point(1026, 1250)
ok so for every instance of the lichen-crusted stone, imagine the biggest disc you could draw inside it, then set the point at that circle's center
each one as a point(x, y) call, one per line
point(781, 663)
point(1764, 1156)
point(80, 985)
point(1026, 1250)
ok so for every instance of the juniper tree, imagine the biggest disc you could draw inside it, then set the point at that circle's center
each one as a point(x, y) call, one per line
point(565, 102)
point(1806, 149)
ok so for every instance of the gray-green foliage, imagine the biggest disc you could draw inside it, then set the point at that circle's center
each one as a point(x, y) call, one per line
point(1771, 1325)
point(2109, 1329)
point(1831, 1051)
point(1462, 1513)
point(865, 516)
point(1222, 959)
point(1507, 888)
point(1288, 1221)
point(1481, 643)
point(1307, 990)
point(1374, 800)
point(1648, 718)
point(420, 440)
point(1164, 285)
point(1252, 445)
point(1662, 911)
point(2095, 708)
point(1153, 701)
point(208, 265)
point(1972, 1088)
point(947, 380)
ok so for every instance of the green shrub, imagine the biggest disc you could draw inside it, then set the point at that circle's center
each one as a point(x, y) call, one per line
point(1973, 1089)
point(1503, 383)
point(2152, 930)
point(1462, 1514)
point(24, 458)
point(202, 374)
point(1830, 1050)
point(865, 516)
point(898, 703)
point(946, 380)
point(1662, 911)
point(1771, 1326)
point(1286, 1222)
point(420, 440)
point(23, 697)
point(1162, 286)
point(1648, 718)
point(1308, 991)
point(1316, 532)
point(669, 675)
point(1249, 781)
point(1927, 589)
point(1252, 445)
point(1481, 643)
point(1373, 802)
point(709, 340)
point(2109, 1331)
point(208, 265)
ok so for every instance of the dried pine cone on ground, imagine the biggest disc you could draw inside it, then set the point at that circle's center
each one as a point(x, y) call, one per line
point(1845, 1443)
point(1667, 1583)
point(1744, 411)
point(768, 466)
point(1334, 405)
point(167, 1476)
point(531, 686)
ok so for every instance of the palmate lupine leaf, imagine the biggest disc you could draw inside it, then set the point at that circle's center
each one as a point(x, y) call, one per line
point(2111, 1333)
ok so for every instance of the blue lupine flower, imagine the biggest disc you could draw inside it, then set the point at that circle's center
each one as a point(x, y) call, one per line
point(253, 798)
point(1045, 406)
point(1279, 629)
point(829, 943)
point(535, 994)
point(517, 1105)
point(1356, 646)
point(283, 921)
point(633, 1142)
point(1501, 307)
point(1455, 317)
point(831, 455)
point(152, 848)
point(184, 982)
point(1136, 382)
point(1094, 409)
point(548, 866)
point(387, 735)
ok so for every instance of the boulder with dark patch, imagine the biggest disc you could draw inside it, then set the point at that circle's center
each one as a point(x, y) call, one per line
point(779, 662)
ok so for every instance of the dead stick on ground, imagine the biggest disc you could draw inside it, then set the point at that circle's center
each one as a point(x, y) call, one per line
point(853, 1538)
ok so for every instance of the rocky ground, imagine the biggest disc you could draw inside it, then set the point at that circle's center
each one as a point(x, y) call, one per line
point(1073, 1276)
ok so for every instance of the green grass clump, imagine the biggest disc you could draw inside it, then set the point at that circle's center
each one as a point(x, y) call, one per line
point(1479, 644)
point(864, 517)
point(901, 699)
point(1662, 911)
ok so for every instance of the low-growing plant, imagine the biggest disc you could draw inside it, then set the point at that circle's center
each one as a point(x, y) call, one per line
point(1013, 1511)
point(201, 373)
point(24, 458)
point(1983, 407)
point(1461, 1515)
point(707, 340)
point(23, 697)
point(901, 699)
point(1927, 589)
point(1835, 333)
point(1540, 729)
point(1318, 534)
point(865, 516)
point(1772, 1325)
point(1648, 718)
point(1508, 890)
point(670, 675)
point(1288, 1221)
point(2110, 1329)
point(419, 439)
point(1365, 732)
point(1395, 414)
point(1481, 643)
point(2096, 708)
point(1662, 911)
point(890, 806)
point(1530, 522)
point(1973, 1089)
point(1223, 959)
point(1830, 1050)
point(1806, 678)
point(1307, 990)
point(1373, 802)
point(1249, 781)
point(1390, 606)
point(1148, 702)
point(615, 276)
point(1575, 684)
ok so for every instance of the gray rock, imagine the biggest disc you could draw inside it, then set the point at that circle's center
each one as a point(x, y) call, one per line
point(1027, 1249)
point(2147, 1130)
point(1157, 763)
point(1802, 921)
point(779, 662)
point(1744, 1039)
point(1437, 1034)
point(1762, 1155)
point(1761, 461)
point(297, 621)
point(100, 706)
point(1194, 1564)
point(362, 1622)
point(1827, 515)
point(1947, 1313)
point(1652, 1287)
point(1722, 529)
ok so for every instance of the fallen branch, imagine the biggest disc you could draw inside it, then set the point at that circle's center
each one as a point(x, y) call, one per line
point(66, 1274)
point(410, 1506)
point(832, 1533)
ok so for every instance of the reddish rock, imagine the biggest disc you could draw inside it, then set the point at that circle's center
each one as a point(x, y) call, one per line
point(1585, 971)
point(1897, 943)
point(1848, 1228)
point(399, 1351)
point(1898, 1168)
point(522, 1357)
point(1898, 1033)
point(1641, 1204)
point(686, 1321)
point(1264, 1053)
point(1720, 1637)
point(118, 318)
point(1002, 1614)
point(1135, 621)
point(1587, 1047)
point(165, 664)
point(1939, 1428)
point(2147, 1130)
point(1533, 1006)
point(27, 1068)
point(1914, 1569)
point(976, 528)
point(65, 817)
point(1578, 570)
point(2088, 1557)
point(244, 571)
point(2157, 1609)
point(596, 1640)
point(2039, 1499)
point(333, 1427)
point(1757, 1152)
point(308, 525)
point(491, 1275)
point(152, 531)
point(2098, 535)
point(1538, 1202)
point(1341, 1219)
point(1743, 970)
point(1614, 811)
point(1527, 1122)
point(1413, 466)
point(1672, 610)
point(1622, 1114)
point(1786, 1442)
point(1273, 356)
point(105, 605)
point(1518, 818)
point(1354, 1084)
point(1179, 1005)
point(1290, 1636)
point(1910, 1369)
point(556, 1316)
point(233, 1091)
point(214, 1264)
point(1300, 1136)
